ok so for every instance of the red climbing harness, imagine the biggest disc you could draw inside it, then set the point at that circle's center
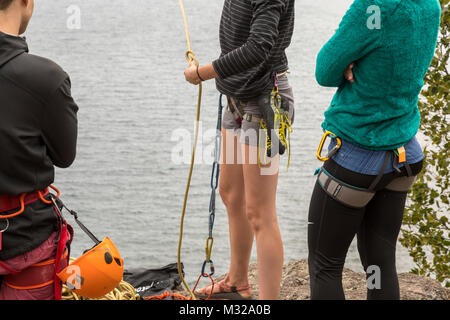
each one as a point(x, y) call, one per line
point(43, 273)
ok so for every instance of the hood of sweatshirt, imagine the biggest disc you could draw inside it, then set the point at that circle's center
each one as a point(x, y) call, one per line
point(11, 47)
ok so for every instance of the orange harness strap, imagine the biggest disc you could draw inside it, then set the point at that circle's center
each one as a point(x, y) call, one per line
point(8, 203)
point(38, 275)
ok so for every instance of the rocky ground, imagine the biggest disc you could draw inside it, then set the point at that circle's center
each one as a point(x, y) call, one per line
point(295, 284)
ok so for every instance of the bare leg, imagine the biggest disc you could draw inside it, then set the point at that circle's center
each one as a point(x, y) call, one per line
point(260, 199)
point(231, 188)
point(249, 194)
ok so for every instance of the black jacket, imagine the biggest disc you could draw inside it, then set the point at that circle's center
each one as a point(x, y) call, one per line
point(38, 122)
point(38, 130)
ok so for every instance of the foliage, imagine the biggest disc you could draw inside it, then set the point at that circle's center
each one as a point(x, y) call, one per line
point(426, 230)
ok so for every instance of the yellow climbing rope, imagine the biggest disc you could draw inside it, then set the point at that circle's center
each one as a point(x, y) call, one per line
point(124, 291)
point(190, 57)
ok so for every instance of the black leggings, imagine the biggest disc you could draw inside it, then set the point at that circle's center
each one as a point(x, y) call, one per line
point(332, 227)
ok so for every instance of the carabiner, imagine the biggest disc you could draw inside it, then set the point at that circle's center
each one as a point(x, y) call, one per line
point(208, 247)
point(211, 269)
point(333, 151)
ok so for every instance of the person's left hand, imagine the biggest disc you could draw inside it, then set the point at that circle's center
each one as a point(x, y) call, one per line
point(348, 73)
point(191, 74)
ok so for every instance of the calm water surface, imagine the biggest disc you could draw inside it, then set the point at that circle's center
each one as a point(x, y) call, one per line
point(126, 64)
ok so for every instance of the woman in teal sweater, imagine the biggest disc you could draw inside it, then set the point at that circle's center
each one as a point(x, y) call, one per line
point(377, 58)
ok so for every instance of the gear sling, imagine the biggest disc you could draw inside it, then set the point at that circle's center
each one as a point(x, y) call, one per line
point(359, 197)
point(274, 123)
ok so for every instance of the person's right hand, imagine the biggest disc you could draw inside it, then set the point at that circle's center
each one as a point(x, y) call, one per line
point(348, 73)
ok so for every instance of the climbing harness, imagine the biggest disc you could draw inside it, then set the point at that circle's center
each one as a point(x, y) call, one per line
point(401, 184)
point(353, 196)
point(236, 107)
point(275, 124)
point(36, 276)
point(46, 269)
point(344, 193)
point(92, 275)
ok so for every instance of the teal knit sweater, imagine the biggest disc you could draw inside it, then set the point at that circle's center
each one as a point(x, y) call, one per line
point(392, 55)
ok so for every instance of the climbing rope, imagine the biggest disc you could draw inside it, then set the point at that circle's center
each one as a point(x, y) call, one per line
point(124, 291)
point(178, 296)
point(68, 294)
point(212, 214)
point(190, 57)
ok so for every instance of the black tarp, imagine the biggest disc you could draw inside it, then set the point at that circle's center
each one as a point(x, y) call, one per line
point(152, 282)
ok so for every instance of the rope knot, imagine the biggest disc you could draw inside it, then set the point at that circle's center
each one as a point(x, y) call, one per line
point(190, 57)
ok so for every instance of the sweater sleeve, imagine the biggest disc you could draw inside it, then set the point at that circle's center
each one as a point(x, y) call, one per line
point(60, 126)
point(263, 36)
point(358, 34)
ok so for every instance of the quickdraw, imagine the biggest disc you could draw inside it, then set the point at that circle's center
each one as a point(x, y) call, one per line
point(214, 184)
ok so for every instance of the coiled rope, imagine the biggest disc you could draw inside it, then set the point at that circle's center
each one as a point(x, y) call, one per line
point(124, 291)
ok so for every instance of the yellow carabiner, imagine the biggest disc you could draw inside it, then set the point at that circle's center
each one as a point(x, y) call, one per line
point(332, 152)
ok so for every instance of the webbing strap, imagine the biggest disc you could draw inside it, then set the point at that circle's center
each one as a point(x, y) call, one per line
point(250, 117)
point(238, 112)
point(84, 228)
point(408, 169)
point(346, 194)
point(402, 184)
point(75, 215)
point(381, 173)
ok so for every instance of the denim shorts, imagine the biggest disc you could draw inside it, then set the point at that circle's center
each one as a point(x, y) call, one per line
point(248, 131)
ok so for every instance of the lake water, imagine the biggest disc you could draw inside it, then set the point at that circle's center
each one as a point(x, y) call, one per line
point(126, 63)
